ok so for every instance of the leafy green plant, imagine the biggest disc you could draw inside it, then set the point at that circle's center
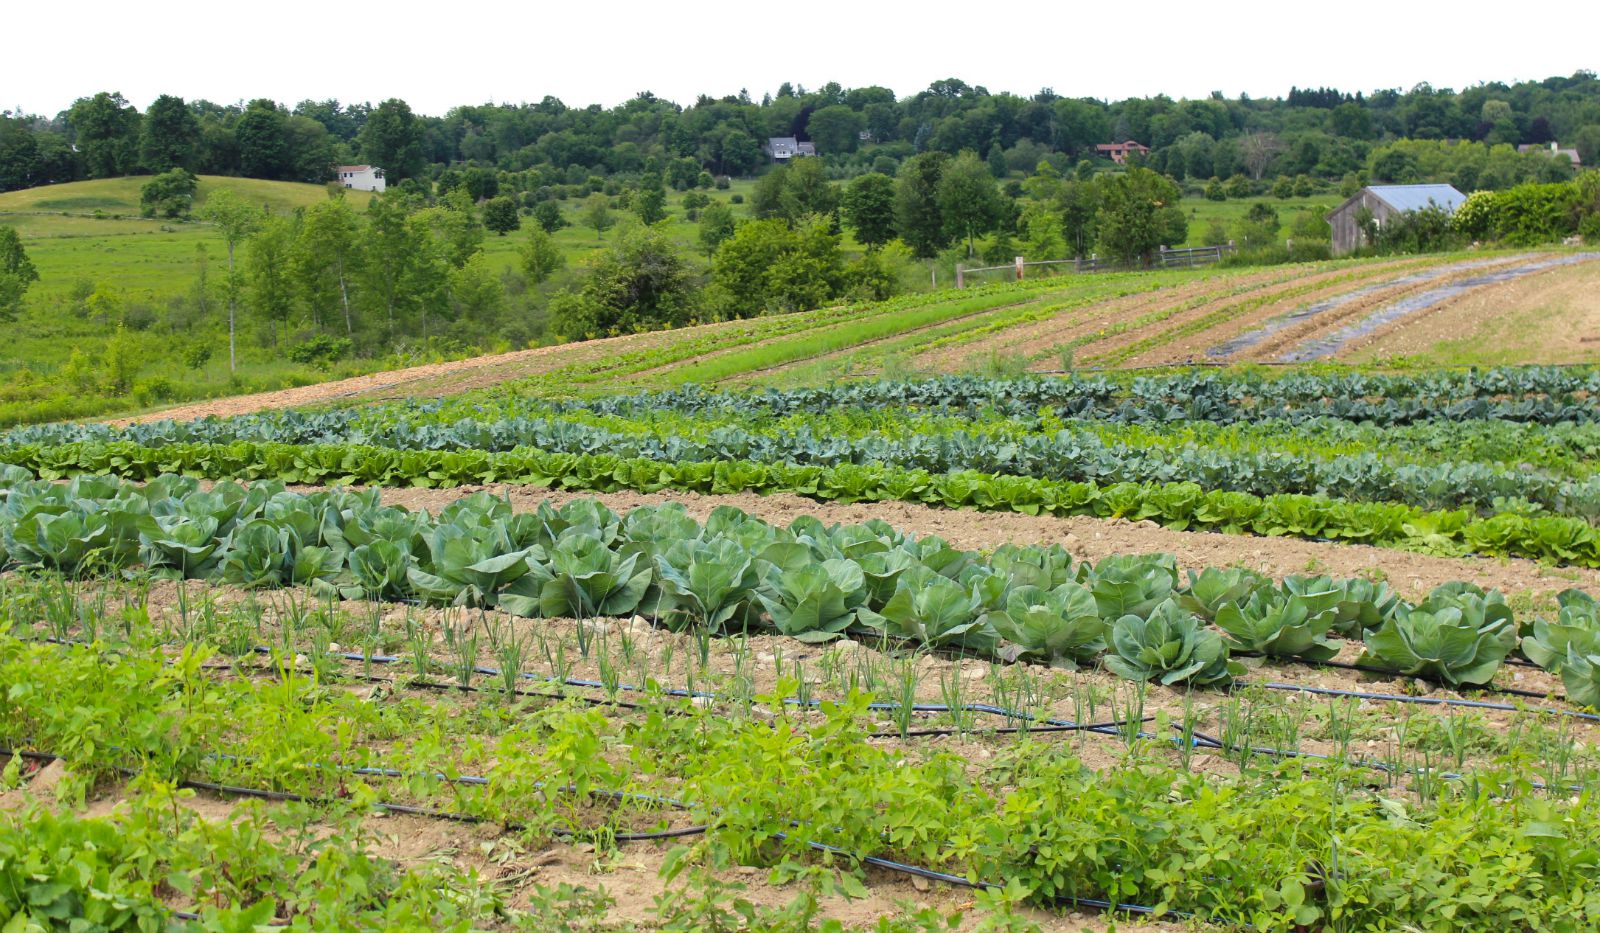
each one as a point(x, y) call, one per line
point(1277, 624)
point(1061, 626)
point(1170, 645)
point(816, 603)
point(1442, 645)
point(933, 610)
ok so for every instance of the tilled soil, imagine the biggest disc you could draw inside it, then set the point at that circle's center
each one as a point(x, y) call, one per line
point(1282, 295)
point(1271, 347)
point(1551, 317)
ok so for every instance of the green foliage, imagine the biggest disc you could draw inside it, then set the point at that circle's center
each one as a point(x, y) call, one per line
point(170, 194)
point(868, 208)
point(17, 273)
point(1171, 646)
point(639, 283)
point(1140, 213)
point(500, 215)
point(771, 266)
point(540, 257)
point(1440, 644)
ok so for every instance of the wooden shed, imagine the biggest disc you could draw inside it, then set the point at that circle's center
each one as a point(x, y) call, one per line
point(1385, 202)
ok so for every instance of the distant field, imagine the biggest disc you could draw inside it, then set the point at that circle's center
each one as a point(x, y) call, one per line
point(121, 195)
point(1202, 212)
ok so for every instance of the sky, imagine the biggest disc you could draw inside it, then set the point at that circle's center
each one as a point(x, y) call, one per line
point(437, 56)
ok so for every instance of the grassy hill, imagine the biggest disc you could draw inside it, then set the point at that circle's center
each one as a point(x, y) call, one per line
point(112, 196)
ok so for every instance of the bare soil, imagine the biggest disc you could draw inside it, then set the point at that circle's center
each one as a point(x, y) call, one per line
point(1271, 347)
point(1549, 317)
point(1282, 295)
point(1036, 339)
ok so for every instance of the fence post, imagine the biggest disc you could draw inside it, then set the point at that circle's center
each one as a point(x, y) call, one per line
point(933, 271)
point(961, 278)
point(1020, 264)
point(1077, 264)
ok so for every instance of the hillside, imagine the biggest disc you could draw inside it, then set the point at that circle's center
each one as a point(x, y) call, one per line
point(1368, 311)
point(120, 196)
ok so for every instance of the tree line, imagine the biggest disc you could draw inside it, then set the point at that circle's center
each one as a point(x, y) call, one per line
point(1323, 133)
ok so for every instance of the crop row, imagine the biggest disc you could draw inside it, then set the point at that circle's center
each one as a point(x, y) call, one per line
point(1071, 455)
point(1558, 539)
point(1245, 851)
point(1541, 395)
point(807, 581)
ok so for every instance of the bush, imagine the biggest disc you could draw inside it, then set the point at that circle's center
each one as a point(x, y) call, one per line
point(321, 351)
point(170, 194)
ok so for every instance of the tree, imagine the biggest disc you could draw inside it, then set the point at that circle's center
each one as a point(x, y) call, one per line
point(997, 161)
point(235, 219)
point(1257, 150)
point(597, 214)
point(768, 266)
point(868, 207)
point(791, 192)
point(170, 135)
point(269, 260)
point(106, 131)
point(916, 204)
point(540, 256)
point(650, 201)
point(170, 194)
point(836, 129)
point(548, 216)
point(639, 283)
point(1139, 213)
point(19, 154)
point(393, 254)
point(967, 197)
point(263, 151)
point(476, 295)
point(1587, 142)
point(17, 272)
point(327, 256)
point(1258, 227)
point(392, 140)
point(716, 225)
point(500, 215)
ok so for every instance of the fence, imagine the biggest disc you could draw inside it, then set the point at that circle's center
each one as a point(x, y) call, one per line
point(1190, 258)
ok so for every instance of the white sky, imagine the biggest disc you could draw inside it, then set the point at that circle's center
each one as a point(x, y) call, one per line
point(438, 55)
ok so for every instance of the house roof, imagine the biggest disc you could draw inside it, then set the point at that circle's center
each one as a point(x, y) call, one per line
point(1126, 144)
point(781, 141)
point(1417, 197)
point(352, 168)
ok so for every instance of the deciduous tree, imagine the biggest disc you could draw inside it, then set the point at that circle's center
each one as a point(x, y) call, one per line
point(500, 215)
point(868, 208)
point(392, 140)
point(17, 273)
point(235, 219)
point(169, 136)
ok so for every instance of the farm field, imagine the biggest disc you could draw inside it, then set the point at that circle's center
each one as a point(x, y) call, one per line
point(1376, 312)
point(1276, 648)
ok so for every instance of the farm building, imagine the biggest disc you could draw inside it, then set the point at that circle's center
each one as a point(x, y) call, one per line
point(360, 177)
point(1556, 149)
point(1119, 152)
point(784, 148)
point(1385, 202)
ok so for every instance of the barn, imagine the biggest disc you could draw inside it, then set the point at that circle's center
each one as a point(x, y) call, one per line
point(1385, 202)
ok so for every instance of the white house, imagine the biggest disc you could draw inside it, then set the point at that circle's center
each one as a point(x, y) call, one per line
point(360, 177)
point(784, 148)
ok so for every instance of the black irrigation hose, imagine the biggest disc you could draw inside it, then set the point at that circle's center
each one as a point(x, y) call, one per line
point(655, 836)
point(1369, 669)
point(386, 806)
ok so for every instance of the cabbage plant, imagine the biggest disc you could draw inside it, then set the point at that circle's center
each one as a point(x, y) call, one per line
point(1281, 625)
point(1061, 626)
point(1170, 645)
point(1440, 645)
point(816, 603)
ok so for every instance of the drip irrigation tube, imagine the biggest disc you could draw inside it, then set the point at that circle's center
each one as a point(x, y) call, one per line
point(1425, 701)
